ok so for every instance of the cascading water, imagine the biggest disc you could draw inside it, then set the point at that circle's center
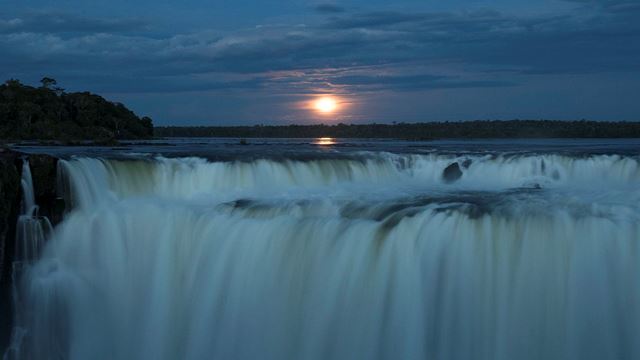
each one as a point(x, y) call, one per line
point(375, 257)
point(32, 229)
point(31, 232)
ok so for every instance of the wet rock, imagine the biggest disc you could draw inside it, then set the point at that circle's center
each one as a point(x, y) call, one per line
point(10, 192)
point(452, 173)
point(467, 163)
point(10, 195)
point(44, 170)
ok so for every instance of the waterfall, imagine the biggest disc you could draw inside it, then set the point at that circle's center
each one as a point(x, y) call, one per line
point(28, 206)
point(31, 232)
point(32, 229)
point(376, 256)
point(96, 180)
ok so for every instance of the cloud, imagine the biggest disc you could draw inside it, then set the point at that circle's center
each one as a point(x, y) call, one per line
point(377, 19)
point(53, 23)
point(329, 9)
point(612, 6)
point(419, 20)
point(414, 82)
point(411, 46)
point(180, 84)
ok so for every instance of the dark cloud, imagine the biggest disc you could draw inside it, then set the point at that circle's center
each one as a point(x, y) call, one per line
point(53, 23)
point(414, 82)
point(471, 21)
point(329, 9)
point(612, 6)
point(408, 44)
point(377, 19)
point(160, 85)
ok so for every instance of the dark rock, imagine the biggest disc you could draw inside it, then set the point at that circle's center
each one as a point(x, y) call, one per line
point(10, 195)
point(44, 171)
point(452, 173)
point(467, 163)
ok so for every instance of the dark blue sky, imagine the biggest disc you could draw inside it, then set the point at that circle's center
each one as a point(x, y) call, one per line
point(200, 62)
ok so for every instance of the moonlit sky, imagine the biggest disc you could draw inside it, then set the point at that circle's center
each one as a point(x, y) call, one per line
point(195, 62)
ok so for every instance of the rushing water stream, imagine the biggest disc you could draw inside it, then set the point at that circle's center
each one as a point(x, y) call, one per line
point(374, 256)
point(31, 233)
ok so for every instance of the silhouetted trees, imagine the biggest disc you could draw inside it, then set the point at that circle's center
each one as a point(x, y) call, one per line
point(47, 112)
point(47, 82)
point(422, 131)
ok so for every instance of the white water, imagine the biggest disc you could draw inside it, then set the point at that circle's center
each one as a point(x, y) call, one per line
point(28, 201)
point(31, 233)
point(32, 229)
point(527, 257)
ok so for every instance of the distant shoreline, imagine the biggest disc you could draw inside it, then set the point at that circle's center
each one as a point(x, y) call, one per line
point(470, 130)
point(512, 129)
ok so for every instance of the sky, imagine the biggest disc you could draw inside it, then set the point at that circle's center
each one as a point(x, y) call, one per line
point(246, 62)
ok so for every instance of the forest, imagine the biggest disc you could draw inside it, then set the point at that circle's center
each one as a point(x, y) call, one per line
point(48, 112)
point(420, 131)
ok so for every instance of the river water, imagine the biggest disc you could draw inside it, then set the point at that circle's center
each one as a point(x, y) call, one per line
point(339, 249)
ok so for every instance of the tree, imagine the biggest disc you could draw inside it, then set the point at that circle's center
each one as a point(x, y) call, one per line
point(47, 82)
point(44, 112)
point(13, 83)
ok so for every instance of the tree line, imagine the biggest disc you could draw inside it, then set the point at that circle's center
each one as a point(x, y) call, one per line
point(48, 112)
point(419, 131)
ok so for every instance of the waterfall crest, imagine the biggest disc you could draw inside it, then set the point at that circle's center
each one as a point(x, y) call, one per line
point(375, 257)
point(186, 178)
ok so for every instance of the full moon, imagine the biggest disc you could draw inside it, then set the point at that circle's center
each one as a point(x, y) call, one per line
point(326, 105)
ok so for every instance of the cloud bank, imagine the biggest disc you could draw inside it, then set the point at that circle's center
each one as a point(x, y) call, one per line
point(338, 51)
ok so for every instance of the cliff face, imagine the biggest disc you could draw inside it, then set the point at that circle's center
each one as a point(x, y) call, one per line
point(43, 169)
point(10, 195)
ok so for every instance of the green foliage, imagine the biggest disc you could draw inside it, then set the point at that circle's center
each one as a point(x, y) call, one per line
point(48, 113)
point(421, 131)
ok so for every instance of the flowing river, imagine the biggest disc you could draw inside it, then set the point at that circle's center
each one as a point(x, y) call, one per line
point(355, 253)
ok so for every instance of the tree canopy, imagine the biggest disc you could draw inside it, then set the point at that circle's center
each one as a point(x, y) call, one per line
point(49, 113)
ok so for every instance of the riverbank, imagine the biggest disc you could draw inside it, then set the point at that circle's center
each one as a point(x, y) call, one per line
point(511, 129)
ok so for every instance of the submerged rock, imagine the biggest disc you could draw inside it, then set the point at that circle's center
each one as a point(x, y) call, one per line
point(452, 173)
